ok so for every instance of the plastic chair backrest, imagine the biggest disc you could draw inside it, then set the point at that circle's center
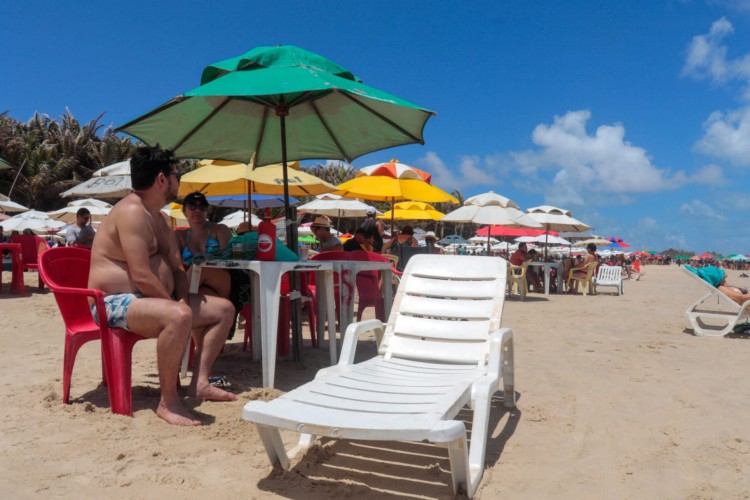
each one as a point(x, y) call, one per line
point(64, 269)
point(29, 247)
point(367, 281)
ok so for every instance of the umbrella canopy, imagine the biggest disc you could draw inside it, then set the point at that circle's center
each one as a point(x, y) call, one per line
point(6, 205)
point(510, 232)
point(483, 239)
point(454, 239)
point(396, 170)
point(600, 242)
point(115, 186)
point(68, 214)
point(618, 243)
point(234, 219)
point(119, 168)
point(257, 201)
point(543, 239)
point(556, 219)
point(244, 104)
point(89, 202)
point(333, 205)
point(220, 178)
point(39, 222)
point(491, 208)
point(4, 164)
point(412, 210)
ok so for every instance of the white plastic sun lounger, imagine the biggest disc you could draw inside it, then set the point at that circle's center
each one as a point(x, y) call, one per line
point(441, 350)
point(715, 306)
point(609, 276)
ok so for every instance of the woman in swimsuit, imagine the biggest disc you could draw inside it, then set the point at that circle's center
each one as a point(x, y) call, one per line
point(204, 238)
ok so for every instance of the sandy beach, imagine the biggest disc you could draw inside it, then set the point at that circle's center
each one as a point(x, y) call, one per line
point(616, 399)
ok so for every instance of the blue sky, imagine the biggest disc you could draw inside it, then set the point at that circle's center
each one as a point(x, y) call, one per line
point(633, 115)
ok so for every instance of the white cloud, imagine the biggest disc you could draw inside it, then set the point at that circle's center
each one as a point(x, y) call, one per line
point(734, 202)
point(698, 209)
point(712, 175)
point(585, 166)
point(707, 58)
point(727, 136)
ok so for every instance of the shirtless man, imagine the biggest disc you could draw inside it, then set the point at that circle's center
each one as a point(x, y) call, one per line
point(135, 261)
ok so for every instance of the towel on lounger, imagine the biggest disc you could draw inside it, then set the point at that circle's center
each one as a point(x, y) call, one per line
point(712, 274)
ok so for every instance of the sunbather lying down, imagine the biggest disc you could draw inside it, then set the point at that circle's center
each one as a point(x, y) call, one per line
point(717, 277)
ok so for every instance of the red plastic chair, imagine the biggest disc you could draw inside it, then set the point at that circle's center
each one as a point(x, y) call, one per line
point(31, 247)
point(368, 285)
point(326, 256)
point(285, 316)
point(66, 272)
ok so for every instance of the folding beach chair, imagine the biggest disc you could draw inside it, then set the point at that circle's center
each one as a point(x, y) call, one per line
point(609, 276)
point(441, 350)
point(716, 307)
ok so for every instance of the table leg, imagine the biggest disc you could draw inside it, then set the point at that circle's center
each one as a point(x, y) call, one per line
point(195, 279)
point(331, 315)
point(270, 290)
point(346, 290)
point(387, 293)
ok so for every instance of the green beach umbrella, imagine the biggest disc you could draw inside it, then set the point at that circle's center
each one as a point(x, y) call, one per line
point(279, 104)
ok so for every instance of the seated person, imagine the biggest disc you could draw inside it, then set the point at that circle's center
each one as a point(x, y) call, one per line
point(523, 255)
point(135, 262)
point(81, 233)
point(405, 238)
point(580, 270)
point(430, 241)
point(362, 240)
point(321, 229)
point(717, 277)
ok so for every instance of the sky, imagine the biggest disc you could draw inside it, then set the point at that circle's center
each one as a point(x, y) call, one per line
point(635, 116)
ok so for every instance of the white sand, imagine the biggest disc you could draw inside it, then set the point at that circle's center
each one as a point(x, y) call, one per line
point(616, 400)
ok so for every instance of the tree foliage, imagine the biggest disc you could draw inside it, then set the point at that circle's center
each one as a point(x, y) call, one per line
point(52, 155)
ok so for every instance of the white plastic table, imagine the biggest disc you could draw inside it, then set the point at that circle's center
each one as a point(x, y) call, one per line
point(347, 270)
point(547, 270)
point(266, 294)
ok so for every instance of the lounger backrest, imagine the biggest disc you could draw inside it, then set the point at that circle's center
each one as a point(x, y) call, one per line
point(711, 290)
point(609, 274)
point(445, 308)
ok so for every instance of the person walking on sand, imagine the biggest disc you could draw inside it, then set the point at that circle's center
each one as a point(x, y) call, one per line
point(135, 261)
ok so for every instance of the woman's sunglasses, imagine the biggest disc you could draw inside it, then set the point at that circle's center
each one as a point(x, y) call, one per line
point(197, 206)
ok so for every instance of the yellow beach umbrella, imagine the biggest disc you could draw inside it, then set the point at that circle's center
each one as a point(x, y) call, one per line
point(412, 210)
point(221, 178)
point(383, 188)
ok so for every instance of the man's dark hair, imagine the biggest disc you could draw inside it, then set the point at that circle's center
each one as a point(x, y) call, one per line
point(82, 211)
point(591, 247)
point(146, 164)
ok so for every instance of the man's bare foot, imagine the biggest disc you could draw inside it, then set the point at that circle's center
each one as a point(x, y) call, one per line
point(211, 393)
point(175, 414)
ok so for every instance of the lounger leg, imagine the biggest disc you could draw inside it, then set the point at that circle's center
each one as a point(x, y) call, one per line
point(508, 372)
point(274, 445)
point(459, 465)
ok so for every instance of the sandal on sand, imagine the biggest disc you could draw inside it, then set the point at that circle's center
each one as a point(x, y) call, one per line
point(219, 381)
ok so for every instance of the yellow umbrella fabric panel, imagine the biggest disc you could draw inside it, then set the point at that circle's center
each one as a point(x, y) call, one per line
point(382, 188)
point(412, 210)
point(227, 179)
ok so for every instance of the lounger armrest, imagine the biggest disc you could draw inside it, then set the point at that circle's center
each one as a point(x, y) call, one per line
point(352, 335)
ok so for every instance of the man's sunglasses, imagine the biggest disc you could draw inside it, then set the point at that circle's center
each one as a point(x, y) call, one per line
point(197, 206)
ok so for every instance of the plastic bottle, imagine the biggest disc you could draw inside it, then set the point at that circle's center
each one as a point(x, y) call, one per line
point(267, 238)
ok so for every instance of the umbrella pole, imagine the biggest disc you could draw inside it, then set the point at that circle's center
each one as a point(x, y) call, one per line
point(282, 111)
point(488, 240)
point(546, 243)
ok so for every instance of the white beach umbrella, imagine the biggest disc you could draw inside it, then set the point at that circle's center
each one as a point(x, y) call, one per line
point(68, 214)
point(39, 222)
point(112, 181)
point(11, 206)
point(333, 205)
point(545, 238)
point(89, 202)
point(556, 219)
point(492, 209)
point(234, 219)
